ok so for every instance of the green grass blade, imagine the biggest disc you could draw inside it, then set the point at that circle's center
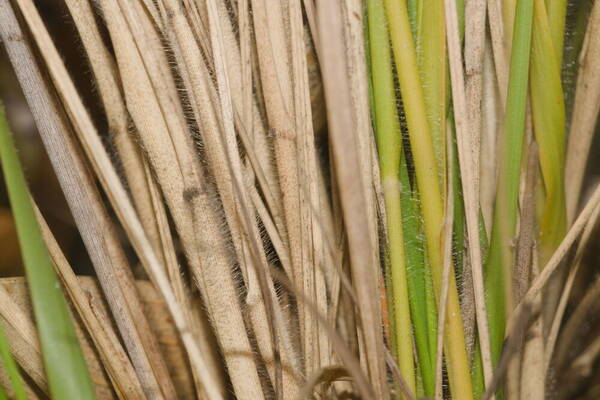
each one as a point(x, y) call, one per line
point(9, 364)
point(389, 144)
point(68, 376)
point(505, 212)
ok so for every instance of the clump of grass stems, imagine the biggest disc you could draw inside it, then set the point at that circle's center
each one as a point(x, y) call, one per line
point(352, 256)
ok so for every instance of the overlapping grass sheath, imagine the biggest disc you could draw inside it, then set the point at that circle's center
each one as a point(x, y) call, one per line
point(67, 372)
point(429, 190)
point(389, 145)
point(506, 208)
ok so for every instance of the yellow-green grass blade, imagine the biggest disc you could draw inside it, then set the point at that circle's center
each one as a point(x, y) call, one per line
point(428, 183)
point(68, 376)
point(557, 15)
point(10, 366)
point(548, 111)
point(389, 145)
point(511, 147)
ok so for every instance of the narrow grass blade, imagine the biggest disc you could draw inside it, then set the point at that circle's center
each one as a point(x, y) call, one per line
point(505, 213)
point(68, 376)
